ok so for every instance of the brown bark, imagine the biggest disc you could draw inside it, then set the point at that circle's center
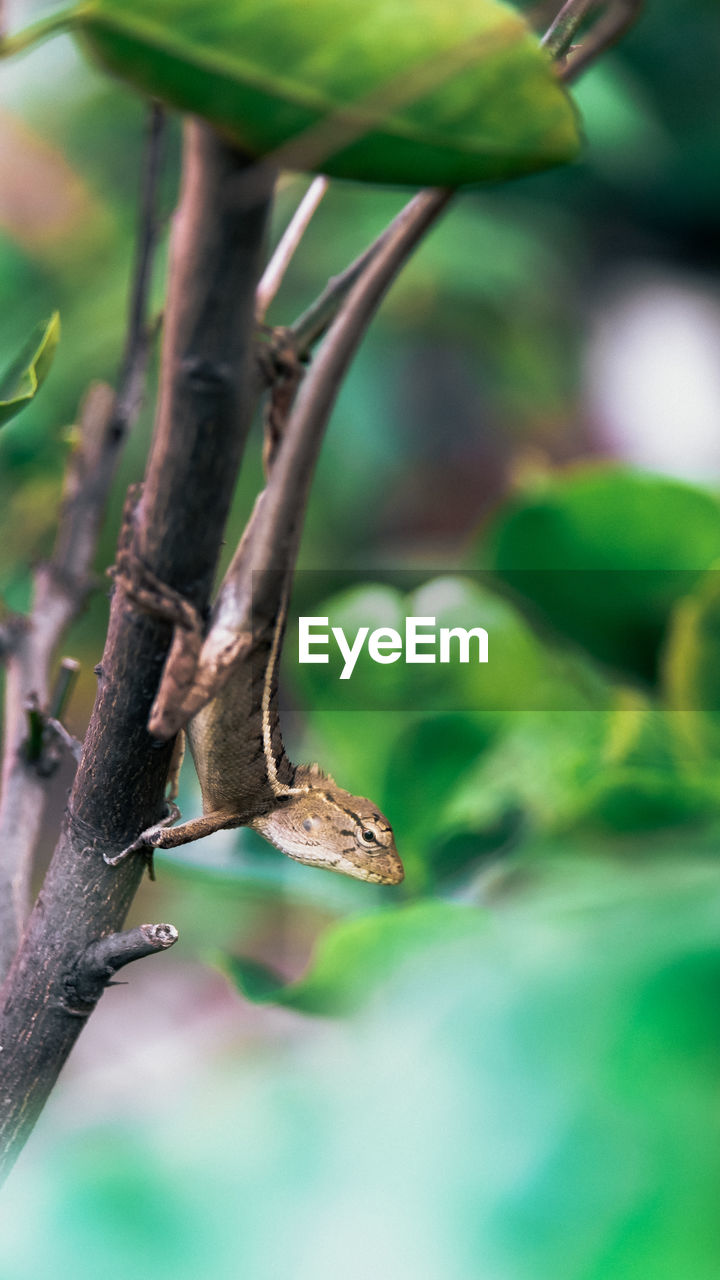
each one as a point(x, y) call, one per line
point(206, 396)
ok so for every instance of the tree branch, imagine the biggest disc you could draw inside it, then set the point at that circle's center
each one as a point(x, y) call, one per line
point(618, 17)
point(277, 532)
point(207, 392)
point(347, 304)
point(274, 273)
point(316, 319)
point(254, 582)
point(95, 967)
point(566, 24)
point(208, 384)
point(61, 587)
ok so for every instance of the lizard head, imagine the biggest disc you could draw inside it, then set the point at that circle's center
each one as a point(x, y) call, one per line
point(323, 826)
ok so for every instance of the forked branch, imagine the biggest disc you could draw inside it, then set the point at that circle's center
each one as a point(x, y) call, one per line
point(207, 393)
point(252, 582)
point(209, 384)
point(62, 585)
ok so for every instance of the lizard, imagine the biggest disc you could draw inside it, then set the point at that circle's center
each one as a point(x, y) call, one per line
point(246, 778)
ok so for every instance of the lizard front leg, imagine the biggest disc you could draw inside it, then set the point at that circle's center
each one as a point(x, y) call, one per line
point(164, 836)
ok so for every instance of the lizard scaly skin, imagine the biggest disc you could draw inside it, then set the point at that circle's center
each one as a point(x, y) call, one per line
point(246, 778)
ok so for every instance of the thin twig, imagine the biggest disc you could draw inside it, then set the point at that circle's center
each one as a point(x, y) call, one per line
point(201, 426)
point(61, 586)
point(286, 494)
point(56, 735)
point(65, 682)
point(274, 272)
point(252, 584)
point(60, 589)
point(314, 323)
point(609, 28)
point(565, 25)
point(97, 964)
point(346, 305)
point(55, 740)
point(139, 335)
point(316, 319)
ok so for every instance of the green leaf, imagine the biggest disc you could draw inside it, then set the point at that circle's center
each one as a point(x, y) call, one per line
point(23, 378)
point(540, 767)
point(419, 93)
point(353, 959)
point(644, 778)
point(691, 666)
point(521, 672)
point(535, 1102)
point(635, 799)
point(605, 553)
point(429, 761)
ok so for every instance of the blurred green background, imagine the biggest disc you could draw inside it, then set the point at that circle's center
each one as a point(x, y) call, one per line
point(508, 1068)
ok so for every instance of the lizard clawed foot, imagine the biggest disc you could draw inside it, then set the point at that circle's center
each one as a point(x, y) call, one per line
point(150, 839)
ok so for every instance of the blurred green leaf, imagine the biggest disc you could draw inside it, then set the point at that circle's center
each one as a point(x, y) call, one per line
point(518, 673)
point(352, 959)
point(691, 665)
point(541, 766)
point(646, 779)
point(629, 799)
point(619, 769)
point(604, 553)
point(420, 94)
point(535, 1099)
point(25, 375)
point(429, 761)
point(522, 672)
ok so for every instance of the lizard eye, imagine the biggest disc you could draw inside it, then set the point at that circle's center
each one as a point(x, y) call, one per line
point(367, 836)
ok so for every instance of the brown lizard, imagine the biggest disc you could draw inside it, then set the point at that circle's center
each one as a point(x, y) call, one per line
point(246, 778)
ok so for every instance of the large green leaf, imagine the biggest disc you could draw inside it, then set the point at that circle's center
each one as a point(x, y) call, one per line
point(356, 957)
point(420, 92)
point(25, 375)
point(604, 553)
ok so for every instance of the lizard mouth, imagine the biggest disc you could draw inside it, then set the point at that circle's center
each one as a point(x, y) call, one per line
point(395, 873)
point(388, 871)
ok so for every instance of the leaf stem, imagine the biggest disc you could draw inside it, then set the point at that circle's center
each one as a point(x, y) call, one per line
point(38, 31)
